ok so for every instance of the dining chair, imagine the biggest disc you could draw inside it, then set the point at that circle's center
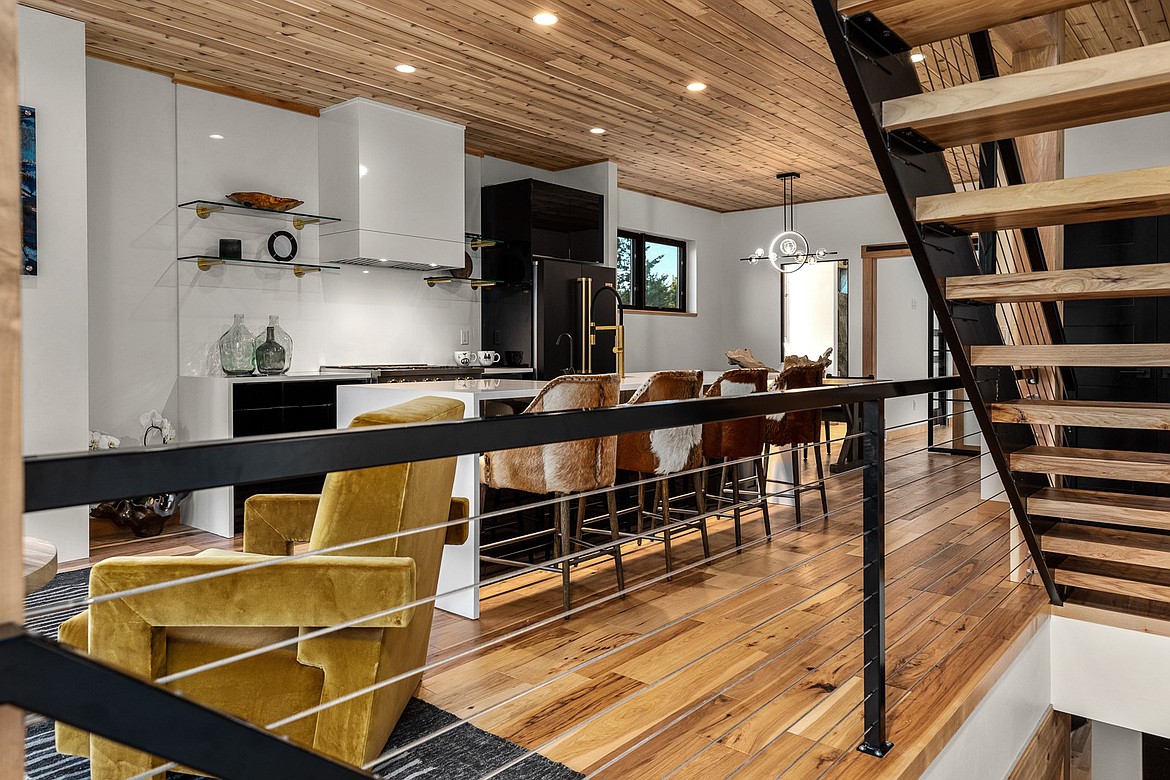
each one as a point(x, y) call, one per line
point(800, 430)
point(564, 468)
point(735, 440)
point(664, 452)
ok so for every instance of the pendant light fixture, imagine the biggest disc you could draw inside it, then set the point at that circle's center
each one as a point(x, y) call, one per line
point(789, 250)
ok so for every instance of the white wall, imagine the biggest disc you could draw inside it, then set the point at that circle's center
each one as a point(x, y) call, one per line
point(990, 741)
point(656, 341)
point(1117, 146)
point(1111, 674)
point(154, 318)
point(55, 330)
point(133, 355)
point(1116, 752)
point(753, 293)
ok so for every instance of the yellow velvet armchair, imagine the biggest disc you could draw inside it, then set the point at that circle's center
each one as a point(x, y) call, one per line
point(181, 627)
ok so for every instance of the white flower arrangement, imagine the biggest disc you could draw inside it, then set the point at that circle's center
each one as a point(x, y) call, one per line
point(153, 421)
point(99, 440)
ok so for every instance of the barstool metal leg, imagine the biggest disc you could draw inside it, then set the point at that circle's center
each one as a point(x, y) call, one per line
point(581, 505)
point(701, 502)
point(665, 485)
point(564, 524)
point(824, 494)
point(641, 507)
point(735, 507)
point(796, 491)
point(761, 489)
point(611, 500)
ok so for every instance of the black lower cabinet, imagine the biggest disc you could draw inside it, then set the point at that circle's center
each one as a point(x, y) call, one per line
point(262, 408)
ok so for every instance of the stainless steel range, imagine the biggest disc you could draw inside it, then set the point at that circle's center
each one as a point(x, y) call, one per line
point(412, 372)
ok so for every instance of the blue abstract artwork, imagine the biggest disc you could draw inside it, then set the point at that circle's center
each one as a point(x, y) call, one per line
point(28, 189)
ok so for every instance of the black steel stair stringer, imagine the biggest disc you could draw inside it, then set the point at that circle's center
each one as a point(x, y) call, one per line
point(874, 72)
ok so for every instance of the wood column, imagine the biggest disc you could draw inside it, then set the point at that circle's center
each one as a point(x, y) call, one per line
point(11, 468)
point(1039, 43)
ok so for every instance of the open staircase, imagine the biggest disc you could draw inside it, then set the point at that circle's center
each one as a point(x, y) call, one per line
point(1084, 543)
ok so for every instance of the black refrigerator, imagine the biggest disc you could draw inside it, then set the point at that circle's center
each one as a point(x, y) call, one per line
point(547, 300)
point(545, 252)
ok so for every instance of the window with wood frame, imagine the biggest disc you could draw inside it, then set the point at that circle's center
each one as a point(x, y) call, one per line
point(652, 272)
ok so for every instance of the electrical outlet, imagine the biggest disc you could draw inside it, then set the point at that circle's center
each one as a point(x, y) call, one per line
point(464, 337)
point(913, 303)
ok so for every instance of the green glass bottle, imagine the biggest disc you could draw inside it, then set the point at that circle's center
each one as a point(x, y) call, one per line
point(236, 352)
point(270, 355)
point(282, 338)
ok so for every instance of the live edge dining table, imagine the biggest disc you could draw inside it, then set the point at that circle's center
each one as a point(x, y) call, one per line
point(459, 573)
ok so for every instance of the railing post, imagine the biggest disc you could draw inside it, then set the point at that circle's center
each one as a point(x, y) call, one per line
point(873, 419)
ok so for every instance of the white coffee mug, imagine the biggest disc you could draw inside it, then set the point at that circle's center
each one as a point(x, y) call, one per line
point(464, 358)
point(487, 357)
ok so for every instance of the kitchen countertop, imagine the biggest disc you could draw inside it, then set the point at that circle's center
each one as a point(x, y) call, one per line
point(492, 389)
point(295, 376)
point(506, 370)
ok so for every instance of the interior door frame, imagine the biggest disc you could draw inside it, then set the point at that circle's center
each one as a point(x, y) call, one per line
point(870, 255)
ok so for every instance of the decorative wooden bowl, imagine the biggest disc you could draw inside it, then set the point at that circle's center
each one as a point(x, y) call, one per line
point(262, 200)
point(465, 271)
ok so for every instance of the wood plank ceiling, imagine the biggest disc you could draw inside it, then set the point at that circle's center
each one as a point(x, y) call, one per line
point(530, 94)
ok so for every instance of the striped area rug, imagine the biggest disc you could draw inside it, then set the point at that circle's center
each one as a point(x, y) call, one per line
point(464, 753)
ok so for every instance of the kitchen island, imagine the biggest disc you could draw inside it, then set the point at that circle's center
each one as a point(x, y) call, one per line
point(459, 574)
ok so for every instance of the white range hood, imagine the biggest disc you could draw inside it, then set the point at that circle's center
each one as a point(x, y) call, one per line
point(395, 178)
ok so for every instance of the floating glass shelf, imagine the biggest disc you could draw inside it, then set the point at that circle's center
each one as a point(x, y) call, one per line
point(476, 241)
point(475, 283)
point(205, 208)
point(207, 262)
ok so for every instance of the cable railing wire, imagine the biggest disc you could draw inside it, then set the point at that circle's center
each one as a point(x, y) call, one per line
point(779, 654)
point(802, 715)
point(719, 512)
point(752, 629)
point(577, 727)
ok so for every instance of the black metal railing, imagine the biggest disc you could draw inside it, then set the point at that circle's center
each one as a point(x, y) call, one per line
point(52, 680)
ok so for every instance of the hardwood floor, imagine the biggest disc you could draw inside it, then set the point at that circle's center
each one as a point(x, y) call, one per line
point(751, 665)
point(106, 540)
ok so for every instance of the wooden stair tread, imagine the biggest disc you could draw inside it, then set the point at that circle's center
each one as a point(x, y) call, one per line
point(920, 21)
point(1101, 507)
point(1089, 414)
point(1077, 284)
point(1102, 355)
point(1139, 193)
point(1085, 462)
point(1122, 579)
point(1125, 84)
point(1133, 548)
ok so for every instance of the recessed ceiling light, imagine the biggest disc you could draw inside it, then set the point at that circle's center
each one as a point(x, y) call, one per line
point(434, 265)
point(383, 260)
point(696, 86)
point(404, 68)
point(215, 137)
point(365, 270)
point(597, 130)
point(917, 57)
point(545, 19)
